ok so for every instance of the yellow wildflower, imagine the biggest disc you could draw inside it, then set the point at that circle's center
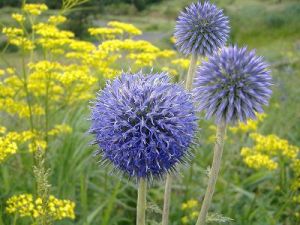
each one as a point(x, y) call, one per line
point(185, 220)
point(250, 126)
point(25, 205)
point(2, 130)
point(184, 63)
point(21, 204)
point(7, 147)
point(190, 208)
point(57, 19)
point(12, 32)
point(166, 53)
point(273, 145)
point(22, 42)
point(128, 28)
point(18, 17)
point(51, 31)
point(107, 33)
point(10, 70)
point(192, 203)
point(37, 144)
point(35, 9)
point(194, 214)
point(258, 160)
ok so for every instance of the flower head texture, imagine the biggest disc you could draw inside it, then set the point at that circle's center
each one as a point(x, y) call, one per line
point(143, 124)
point(201, 29)
point(233, 85)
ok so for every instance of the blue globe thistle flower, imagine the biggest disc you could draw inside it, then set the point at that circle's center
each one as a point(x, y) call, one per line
point(233, 85)
point(143, 124)
point(201, 29)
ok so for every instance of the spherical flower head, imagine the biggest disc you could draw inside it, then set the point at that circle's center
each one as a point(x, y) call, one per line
point(201, 29)
point(233, 85)
point(143, 124)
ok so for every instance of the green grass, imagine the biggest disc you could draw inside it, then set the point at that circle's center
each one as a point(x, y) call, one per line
point(103, 198)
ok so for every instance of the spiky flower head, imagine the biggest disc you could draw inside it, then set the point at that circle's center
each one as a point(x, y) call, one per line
point(143, 124)
point(201, 29)
point(233, 85)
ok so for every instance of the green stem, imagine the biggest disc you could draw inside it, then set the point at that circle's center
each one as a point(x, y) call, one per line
point(188, 85)
point(167, 199)
point(141, 202)
point(26, 90)
point(191, 72)
point(15, 219)
point(47, 109)
point(213, 175)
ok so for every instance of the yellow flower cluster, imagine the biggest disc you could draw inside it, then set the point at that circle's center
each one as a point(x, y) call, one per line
point(270, 152)
point(35, 9)
point(68, 70)
point(37, 144)
point(192, 203)
point(105, 32)
point(266, 150)
point(57, 19)
point(2, 130)
point(7, 146)
point(274, 146)
point(55, 81)
point(125, 27)
point(250, 126)
point(16, 36)
point(20, 108)
point(9, 141)
point(115, 29)
point(18, 17)
point(26, 205)
point(258, 160)
point(184, 63)
point(191, 208)
point(47, 30)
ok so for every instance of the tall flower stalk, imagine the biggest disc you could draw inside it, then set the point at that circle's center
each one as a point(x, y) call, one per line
point(167, 200)
point(143, 125)
point(213, 173)
point(200, 30)
point(141, 203)
point(168, 186)
point(232, 86)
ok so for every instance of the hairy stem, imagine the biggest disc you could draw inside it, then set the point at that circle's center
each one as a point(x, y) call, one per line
point(141, 202)
point(167, 199)
point(213, 175)
point(188, 85)
point(191, 73)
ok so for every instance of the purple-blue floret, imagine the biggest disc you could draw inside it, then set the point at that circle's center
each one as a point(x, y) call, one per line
point(233, 85)
point(143, 124)
point(201, 29)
